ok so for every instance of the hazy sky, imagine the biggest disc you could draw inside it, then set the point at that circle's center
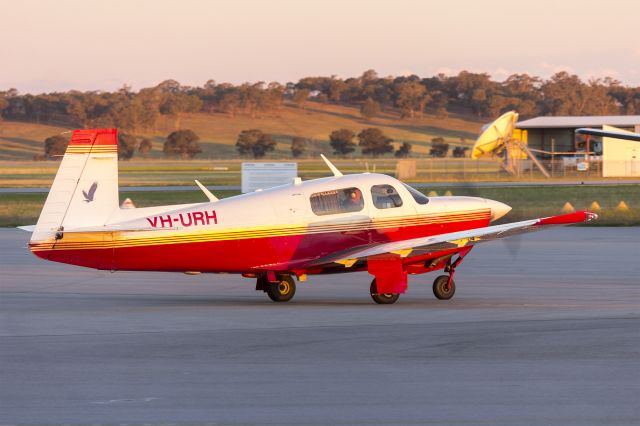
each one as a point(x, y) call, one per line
point(89, 45)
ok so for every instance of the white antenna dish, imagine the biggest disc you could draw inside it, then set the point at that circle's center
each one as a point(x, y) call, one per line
point(333, 168)
point(495, 135)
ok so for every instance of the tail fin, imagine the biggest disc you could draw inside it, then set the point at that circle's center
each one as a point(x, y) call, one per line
point(85, 189)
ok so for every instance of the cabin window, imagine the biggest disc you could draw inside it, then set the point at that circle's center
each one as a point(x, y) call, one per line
point(417, 195)
point(337, 201)
point(385, 197)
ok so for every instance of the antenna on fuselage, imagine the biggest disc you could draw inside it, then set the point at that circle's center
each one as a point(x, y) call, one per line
point(333, 168)
point(208, 193)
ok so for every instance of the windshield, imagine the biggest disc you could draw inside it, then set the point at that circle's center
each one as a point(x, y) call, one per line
point(417, 195)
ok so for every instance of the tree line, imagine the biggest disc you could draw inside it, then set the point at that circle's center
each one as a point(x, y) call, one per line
point(407, 96)
point(254, 143)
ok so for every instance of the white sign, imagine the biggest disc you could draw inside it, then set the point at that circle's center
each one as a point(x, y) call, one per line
point(267, 175)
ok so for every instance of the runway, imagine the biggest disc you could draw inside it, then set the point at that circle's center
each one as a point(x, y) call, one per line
point(548, 336)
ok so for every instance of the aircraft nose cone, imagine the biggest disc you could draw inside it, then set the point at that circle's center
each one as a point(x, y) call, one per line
point(498, 209)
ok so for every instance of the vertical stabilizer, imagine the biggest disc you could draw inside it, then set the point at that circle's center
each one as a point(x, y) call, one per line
point(85, 189)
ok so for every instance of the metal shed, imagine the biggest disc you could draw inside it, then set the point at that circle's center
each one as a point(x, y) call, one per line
point(557, 133)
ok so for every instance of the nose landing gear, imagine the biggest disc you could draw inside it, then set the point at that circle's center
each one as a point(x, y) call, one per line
point(444, 287)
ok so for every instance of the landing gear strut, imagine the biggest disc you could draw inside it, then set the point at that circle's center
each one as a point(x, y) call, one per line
point(444, 287)
point(382, 298)
point(281, 291)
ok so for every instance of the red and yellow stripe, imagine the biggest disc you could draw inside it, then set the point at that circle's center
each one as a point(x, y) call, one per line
point(122, 239)
point(91, 149)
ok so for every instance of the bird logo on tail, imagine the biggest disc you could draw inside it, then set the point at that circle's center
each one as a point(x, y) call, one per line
point(88, 196)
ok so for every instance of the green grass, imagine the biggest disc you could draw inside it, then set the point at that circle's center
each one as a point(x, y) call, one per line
point(527, 203)
point(218, 132)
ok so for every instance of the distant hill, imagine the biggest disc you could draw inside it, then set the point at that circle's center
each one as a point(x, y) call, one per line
point(218, 131)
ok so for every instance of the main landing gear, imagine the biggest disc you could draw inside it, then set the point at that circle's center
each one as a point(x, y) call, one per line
point(382, 298)
point(281, 291)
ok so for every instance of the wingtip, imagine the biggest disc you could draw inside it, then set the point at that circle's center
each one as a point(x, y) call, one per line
point(567, 219)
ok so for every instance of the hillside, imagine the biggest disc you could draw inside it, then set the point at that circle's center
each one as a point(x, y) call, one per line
point(218, 132)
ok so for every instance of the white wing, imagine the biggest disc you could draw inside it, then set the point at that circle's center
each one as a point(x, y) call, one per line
point(435, 243)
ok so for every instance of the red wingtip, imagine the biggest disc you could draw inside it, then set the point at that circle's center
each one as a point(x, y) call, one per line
point(94, 137)
point(565, 219)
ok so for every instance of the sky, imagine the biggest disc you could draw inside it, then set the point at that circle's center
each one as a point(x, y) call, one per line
point(48, 46)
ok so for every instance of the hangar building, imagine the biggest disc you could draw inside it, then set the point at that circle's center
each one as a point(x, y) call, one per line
point(619, 158)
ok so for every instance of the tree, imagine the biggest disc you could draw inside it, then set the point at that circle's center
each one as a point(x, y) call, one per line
point(404, 150)
point(442, 113)
point(230, 102)
point(374, 142)
point(322, 98)
point(149, 101)
point(439, 148)
point(370, 109)
point(336, 88)
point(145, 147)
point(300, 98)
point(55, 146)
point(127, 145)
point(183, 143)
point(175, 104)
point(342, 141)
point(298, 146)
point(254, 142)
point(3, 104)
point(459, 151)
point(412, 96)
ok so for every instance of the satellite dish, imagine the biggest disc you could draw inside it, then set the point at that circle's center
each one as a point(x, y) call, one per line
point(494, 135)
point(497, 137)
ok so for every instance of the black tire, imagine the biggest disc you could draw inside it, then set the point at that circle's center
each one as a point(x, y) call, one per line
point(382, 299)
point(440, 289)
point(282, 291)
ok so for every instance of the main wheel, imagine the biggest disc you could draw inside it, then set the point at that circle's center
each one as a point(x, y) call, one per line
point(282, 291)
point(440, 289)
point(384, 298)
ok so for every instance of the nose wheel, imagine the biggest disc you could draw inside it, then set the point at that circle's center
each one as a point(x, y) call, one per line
point(444, 287)
point(382, 298)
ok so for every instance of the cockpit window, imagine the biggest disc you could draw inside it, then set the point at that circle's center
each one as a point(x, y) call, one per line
point(385, 197)
point(417, 195)
point(337, 201)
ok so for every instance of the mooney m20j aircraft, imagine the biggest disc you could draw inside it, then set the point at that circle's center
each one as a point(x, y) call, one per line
point(360, 222)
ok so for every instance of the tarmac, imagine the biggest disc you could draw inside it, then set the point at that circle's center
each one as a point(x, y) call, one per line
point(544, 332)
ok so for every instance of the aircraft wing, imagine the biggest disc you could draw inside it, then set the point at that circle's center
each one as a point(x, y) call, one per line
point(609, 133)
point(434, 243)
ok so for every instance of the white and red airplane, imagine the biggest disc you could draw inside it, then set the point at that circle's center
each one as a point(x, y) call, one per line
point(360, 222)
